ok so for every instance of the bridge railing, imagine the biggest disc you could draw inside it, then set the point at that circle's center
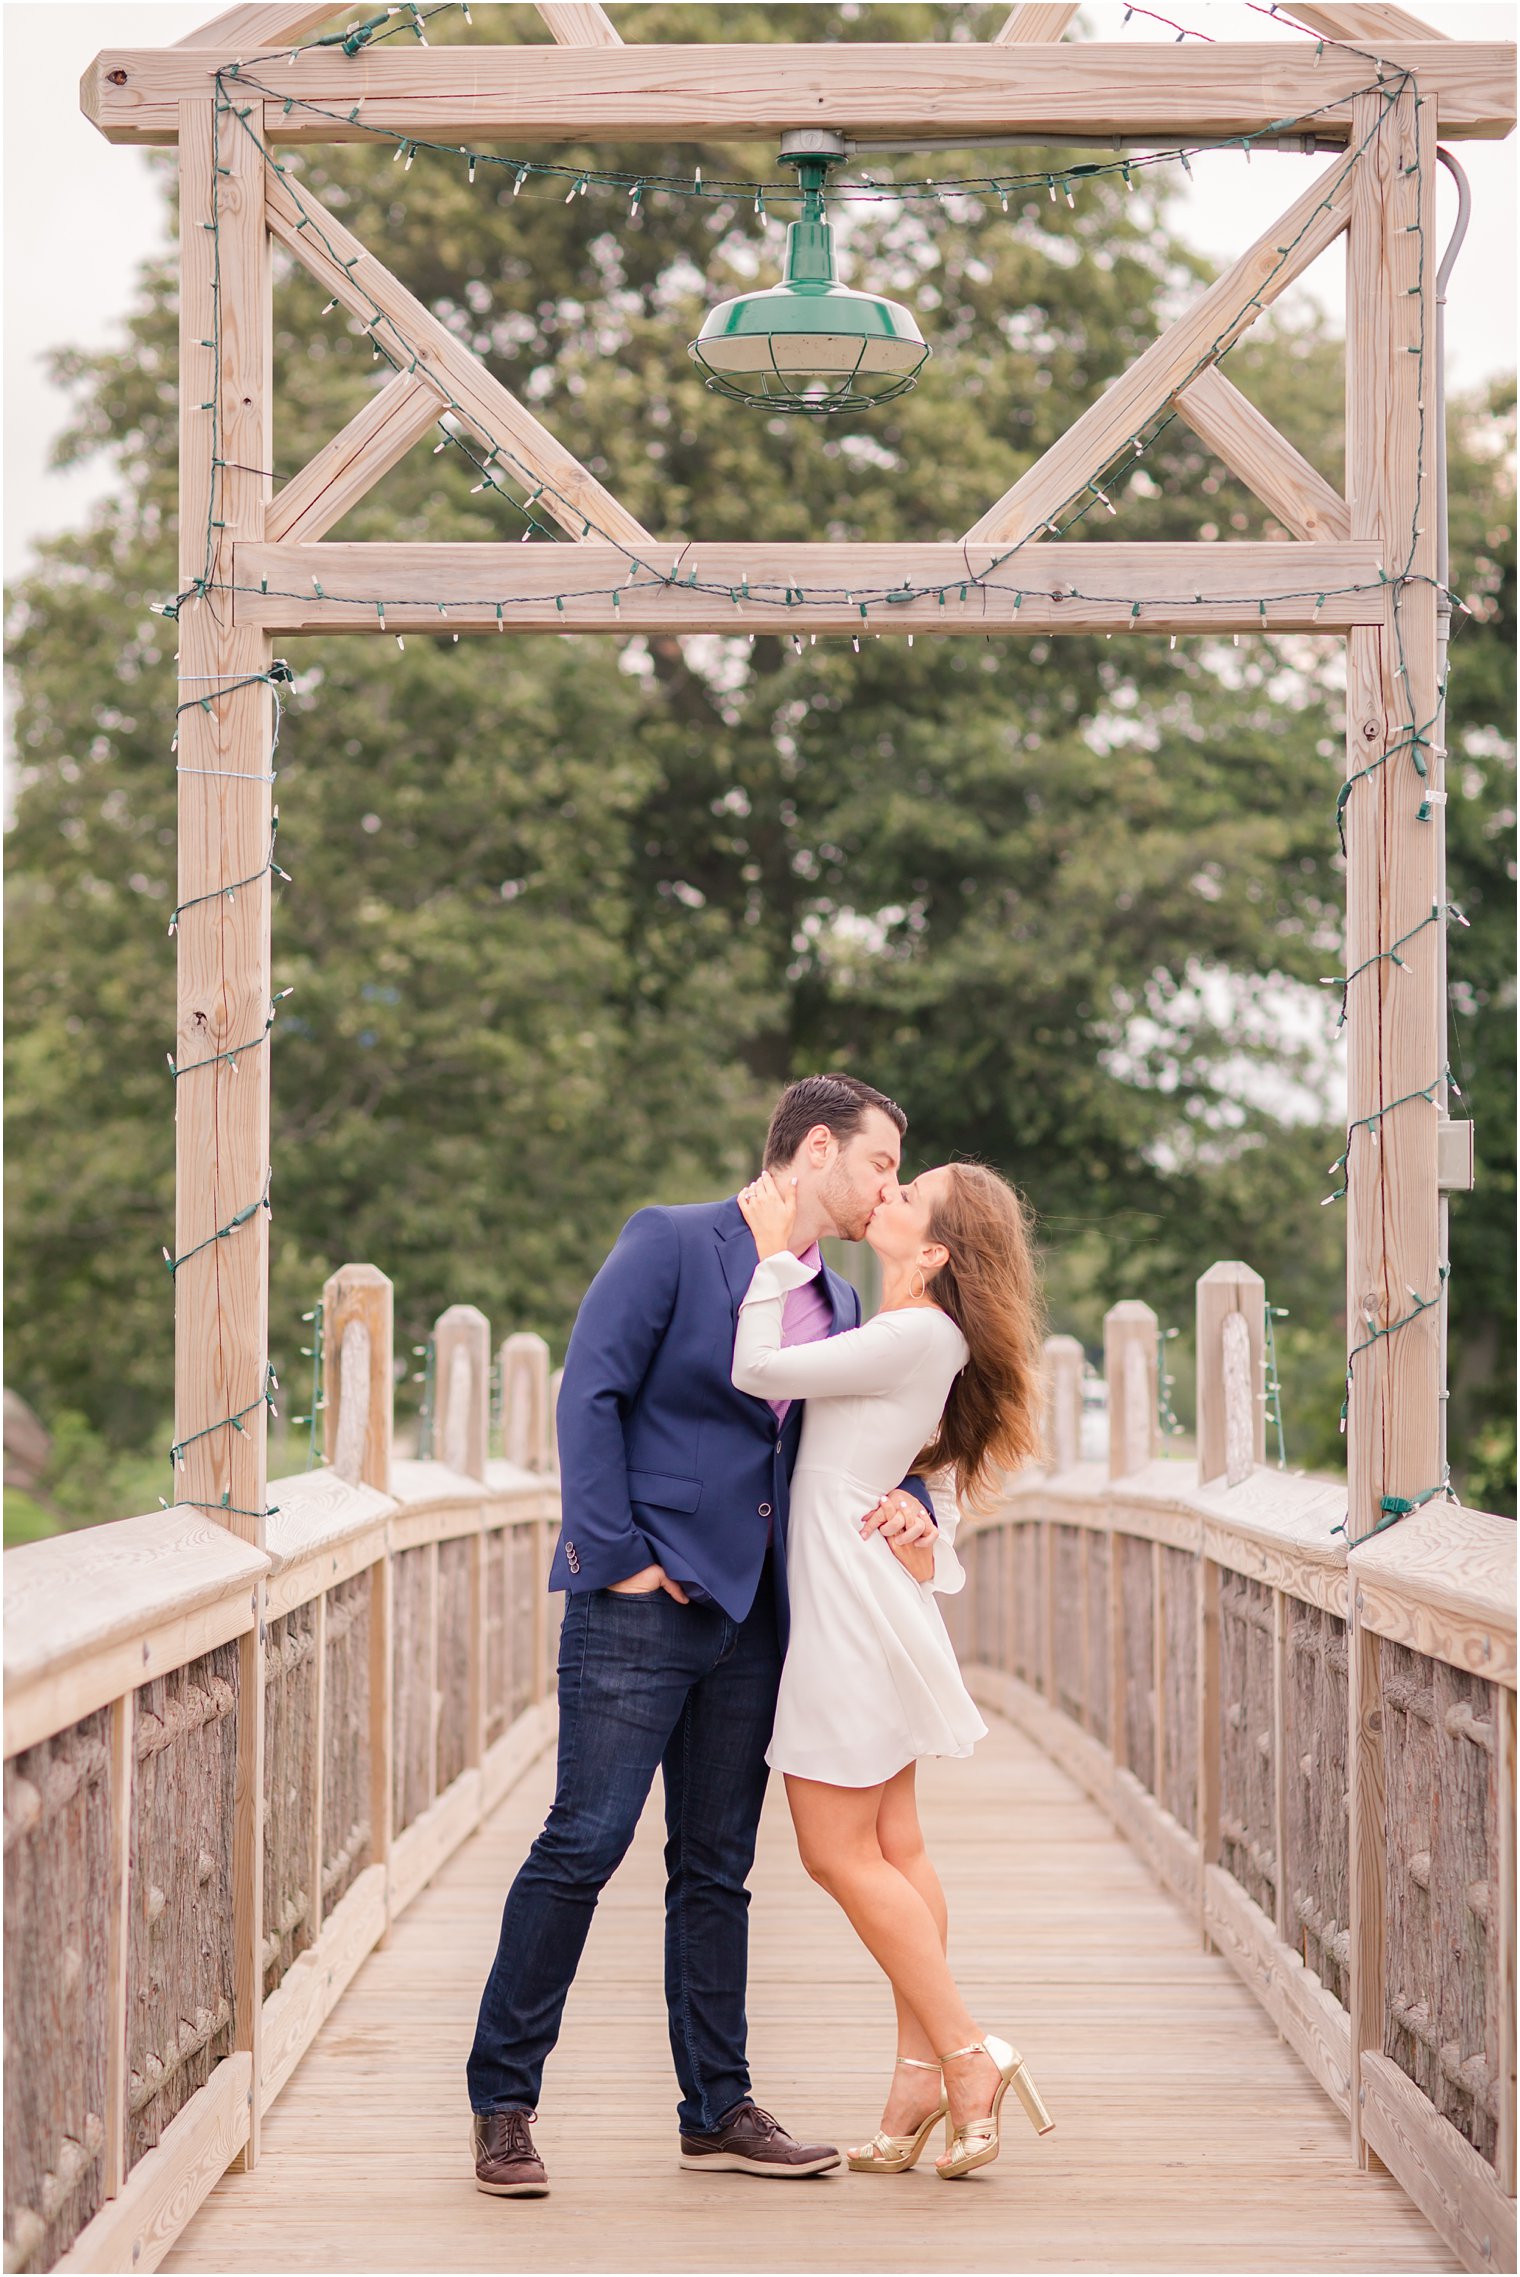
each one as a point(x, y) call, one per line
point(1313, 1749)
point(228, 1769)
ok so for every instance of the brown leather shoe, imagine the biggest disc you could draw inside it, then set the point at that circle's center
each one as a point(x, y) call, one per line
point(750, 2141)
point(506, 2164)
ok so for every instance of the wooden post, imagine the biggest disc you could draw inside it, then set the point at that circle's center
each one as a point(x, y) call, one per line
point(527, 1425)
point(222, 1034)
point(1208, 1734)
point(123, 1765)
point(358, 1314)
point(1367, 1859)
point(1229, 1291)
point(1063, 1402)
point(1129, 1364)
point(1395, 1015)
point(222, 1038)
point(462, 1345)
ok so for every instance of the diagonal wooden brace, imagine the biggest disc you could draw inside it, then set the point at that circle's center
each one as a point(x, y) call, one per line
point(343, 267)
point(375, 439)
point(1034, 21)
point(1265, 460)
point(1184, 351)
point(579, 23)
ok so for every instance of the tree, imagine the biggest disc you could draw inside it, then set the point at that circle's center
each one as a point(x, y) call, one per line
point(565, 914)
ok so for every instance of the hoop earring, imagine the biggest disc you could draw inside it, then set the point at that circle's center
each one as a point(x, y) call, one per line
point(918, 1276)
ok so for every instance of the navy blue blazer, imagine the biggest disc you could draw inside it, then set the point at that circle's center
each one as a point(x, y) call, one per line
point(661, 1460)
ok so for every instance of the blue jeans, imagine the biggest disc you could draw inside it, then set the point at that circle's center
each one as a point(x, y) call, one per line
point(643, 1683)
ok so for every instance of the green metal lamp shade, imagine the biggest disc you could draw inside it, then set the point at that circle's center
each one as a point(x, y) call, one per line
point(810, 344)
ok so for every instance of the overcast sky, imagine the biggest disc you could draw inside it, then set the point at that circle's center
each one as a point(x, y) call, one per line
point(70, 281)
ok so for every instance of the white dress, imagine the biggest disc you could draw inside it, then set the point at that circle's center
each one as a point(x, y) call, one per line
point(870, 1680)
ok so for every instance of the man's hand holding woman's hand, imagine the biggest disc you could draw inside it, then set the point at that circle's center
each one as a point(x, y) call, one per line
point(907, 1529)
point(770, 1212)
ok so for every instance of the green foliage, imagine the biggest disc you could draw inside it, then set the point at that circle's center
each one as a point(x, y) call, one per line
point(566, 913)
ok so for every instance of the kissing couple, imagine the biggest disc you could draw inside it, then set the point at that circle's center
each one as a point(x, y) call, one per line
point(749, 1587)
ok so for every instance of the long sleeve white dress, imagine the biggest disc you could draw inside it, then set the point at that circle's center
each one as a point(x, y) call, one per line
point(870, 1681)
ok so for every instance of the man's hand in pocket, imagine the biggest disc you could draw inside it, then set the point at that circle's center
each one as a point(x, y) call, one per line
point(646, 1582)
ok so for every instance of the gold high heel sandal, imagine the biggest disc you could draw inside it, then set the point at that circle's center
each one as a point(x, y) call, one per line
point(978, 2142)
point(894, 2154)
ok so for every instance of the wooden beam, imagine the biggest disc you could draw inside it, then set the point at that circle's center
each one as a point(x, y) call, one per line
point(1266, 462)
point(1033, 22)
point(525, 448)
point(1172, 363)
point(1396, 1022)
point(653, 93)
point(225, 822)
point(580, 23)
point(1363, 24)
point(1040, 591)
point(374, 441)
point(256, 26)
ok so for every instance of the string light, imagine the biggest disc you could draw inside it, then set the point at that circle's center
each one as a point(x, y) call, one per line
point(1273, 1382)
point(315, 1352)
point(389, 342)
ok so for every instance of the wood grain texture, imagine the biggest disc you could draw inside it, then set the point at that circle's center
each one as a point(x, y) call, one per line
point(1035, 20)
point(1129, 1366)
point(61, 1988)
point(1225, 1289)
point(1058, 588)
point(164, 2189)
point(579, 23)
point(1443, 1581)
point(225, 807)
point(526, 451)
point(81, 1592)
point(1187, 2136)
point(1367, 23)
point(1395, 1013)
point(1064, 473)
point(1367, 1862)
point(189, 1959)
point(1315, 1862)
point(1266, 462)
point(1443, 2175)
point(654, 92)
point(361, 454)
point(260, 24)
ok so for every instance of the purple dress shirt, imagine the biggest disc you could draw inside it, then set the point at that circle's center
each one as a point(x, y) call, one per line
point(806, 1315)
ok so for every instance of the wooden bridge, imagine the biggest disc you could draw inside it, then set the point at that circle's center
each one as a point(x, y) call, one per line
point(1236, 1867)
point(1238, 1863)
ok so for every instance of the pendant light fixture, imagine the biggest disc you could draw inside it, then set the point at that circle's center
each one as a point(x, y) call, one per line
point(810, 344)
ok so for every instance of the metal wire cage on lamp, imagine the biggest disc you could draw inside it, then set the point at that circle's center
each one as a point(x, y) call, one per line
point(810, 344)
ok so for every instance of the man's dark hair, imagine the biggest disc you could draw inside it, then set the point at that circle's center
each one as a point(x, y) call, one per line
point(840, 1101)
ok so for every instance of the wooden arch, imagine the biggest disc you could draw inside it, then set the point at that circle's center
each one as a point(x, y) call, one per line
point(232, 94)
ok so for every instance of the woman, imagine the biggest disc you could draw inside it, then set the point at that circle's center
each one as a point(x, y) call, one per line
point(947, 1374)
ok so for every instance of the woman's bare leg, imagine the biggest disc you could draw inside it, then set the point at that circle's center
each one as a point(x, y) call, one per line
point(840, 1847)
point(911, 2094)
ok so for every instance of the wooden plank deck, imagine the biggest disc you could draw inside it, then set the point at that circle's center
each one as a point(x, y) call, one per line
point(1188, 2136)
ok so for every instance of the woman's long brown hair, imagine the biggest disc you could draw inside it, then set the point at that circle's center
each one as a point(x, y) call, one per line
point(990, 1287)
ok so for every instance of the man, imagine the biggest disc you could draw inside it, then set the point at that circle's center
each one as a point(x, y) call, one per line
point(672, 1552)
